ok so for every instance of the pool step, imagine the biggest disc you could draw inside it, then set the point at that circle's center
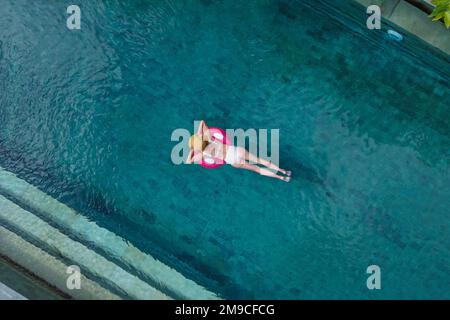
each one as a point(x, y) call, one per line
point(48, 268)
point(74, 253)
point(158, 275)
point(7, 293)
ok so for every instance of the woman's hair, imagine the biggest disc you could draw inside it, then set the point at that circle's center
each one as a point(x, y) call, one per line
point(196, 142)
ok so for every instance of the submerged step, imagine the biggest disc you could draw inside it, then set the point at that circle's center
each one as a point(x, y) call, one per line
point(87, 260)
point(7, 293)
point(48, 268)
point(168, 279)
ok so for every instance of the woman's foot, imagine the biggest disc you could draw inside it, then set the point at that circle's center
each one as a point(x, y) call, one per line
point(287, 179)
point(286, 172)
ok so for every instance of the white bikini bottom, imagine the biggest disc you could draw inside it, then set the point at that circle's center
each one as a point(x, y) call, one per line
point(233, 156)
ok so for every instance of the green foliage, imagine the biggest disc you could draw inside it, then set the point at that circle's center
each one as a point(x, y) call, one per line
point(442, 11)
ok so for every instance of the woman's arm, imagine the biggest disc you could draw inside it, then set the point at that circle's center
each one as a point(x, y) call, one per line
point(203, 131)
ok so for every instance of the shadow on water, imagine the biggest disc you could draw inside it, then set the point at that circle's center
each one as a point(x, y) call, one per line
point(285, 9)
point(381, 221)
point(302, 172)
point(375, 217)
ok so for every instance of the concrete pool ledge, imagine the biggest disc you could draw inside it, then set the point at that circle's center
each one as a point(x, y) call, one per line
point(51, 219)
point(413, 20)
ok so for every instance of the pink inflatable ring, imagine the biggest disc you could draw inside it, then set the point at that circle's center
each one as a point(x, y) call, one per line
point(220, 135)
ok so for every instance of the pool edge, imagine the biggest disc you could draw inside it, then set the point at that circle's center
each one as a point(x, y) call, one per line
point(410, 18)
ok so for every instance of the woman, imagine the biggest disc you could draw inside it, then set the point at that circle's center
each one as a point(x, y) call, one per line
point(202, 147)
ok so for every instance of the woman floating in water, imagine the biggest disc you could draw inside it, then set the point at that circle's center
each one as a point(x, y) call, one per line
point(210, 148)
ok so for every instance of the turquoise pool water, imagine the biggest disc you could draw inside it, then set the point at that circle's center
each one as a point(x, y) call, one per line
point(364, 125)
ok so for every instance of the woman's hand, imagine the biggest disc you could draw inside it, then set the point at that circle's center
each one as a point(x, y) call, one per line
point(190, 156)
point(194, 157)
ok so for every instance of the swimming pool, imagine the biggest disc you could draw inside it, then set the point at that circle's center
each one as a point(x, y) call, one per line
point(87, 117)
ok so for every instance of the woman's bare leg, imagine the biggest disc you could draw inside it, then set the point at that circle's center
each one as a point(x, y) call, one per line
point(251, 157)
point(261, 171)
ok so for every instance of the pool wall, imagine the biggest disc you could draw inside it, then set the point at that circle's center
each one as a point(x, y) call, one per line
point(45, 237)
point(413, 20)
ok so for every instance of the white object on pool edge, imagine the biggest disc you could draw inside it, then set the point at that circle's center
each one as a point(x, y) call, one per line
point(394, 35)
